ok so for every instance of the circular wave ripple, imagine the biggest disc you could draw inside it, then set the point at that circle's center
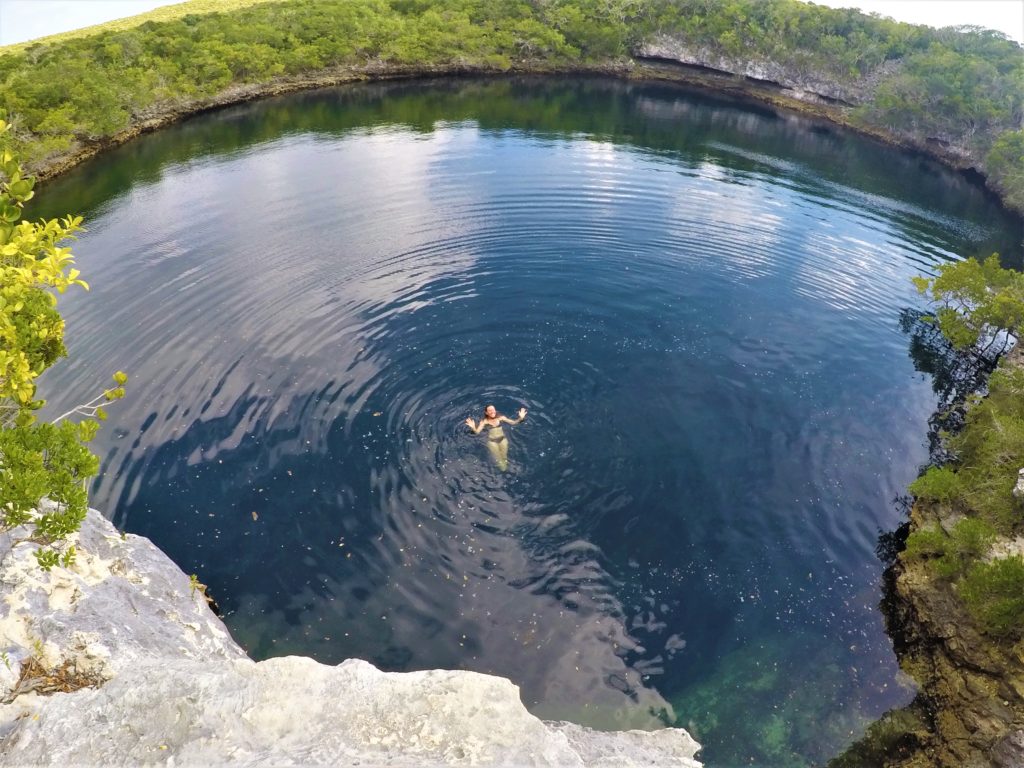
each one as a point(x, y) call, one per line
point(721, 405)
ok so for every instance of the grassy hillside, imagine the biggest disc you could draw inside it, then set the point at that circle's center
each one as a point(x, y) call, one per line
point(963, 89)
point(166, 13)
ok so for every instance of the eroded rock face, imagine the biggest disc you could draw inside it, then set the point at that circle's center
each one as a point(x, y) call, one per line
point(973, 686)
point(806, 84)
point(171, 683)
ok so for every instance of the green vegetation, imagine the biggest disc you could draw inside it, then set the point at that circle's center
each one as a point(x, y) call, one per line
point(165, 13)
point(977, 303)
point(959, 87)
point(43, 466)
point(937, 484)
point(977, 306)
point(951, 555)
point(841, 44)
point(893, 737)
point(994, 594)
point(1005, 165)
point(989, 450)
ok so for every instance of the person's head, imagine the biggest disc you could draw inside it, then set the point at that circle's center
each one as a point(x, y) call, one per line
point(490, 412)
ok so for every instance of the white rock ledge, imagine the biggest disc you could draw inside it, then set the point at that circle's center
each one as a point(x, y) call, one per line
point(179, 691)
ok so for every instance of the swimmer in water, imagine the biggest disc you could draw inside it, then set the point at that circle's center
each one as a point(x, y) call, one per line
point(497, 443)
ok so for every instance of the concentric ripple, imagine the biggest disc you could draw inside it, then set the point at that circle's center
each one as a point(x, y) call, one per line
point(697, 304)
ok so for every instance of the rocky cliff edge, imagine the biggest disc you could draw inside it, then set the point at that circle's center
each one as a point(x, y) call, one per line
point(119, 660)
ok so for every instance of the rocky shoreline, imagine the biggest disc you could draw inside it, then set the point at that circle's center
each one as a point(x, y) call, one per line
point(969, 712)
point(658, 60)
point(118, 659)
point(972, 687)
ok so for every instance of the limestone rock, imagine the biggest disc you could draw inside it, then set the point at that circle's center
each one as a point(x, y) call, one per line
point(1018, 489)
point(294, 710)
point(122, 601)
point(1009, 752)
point(172, 686)
point(809, 85)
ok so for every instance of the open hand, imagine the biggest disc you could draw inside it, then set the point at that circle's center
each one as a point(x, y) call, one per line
point(522, 413)
point(470, 423)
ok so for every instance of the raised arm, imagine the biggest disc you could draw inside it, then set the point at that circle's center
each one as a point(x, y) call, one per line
point(522, 415)
point(474, 426)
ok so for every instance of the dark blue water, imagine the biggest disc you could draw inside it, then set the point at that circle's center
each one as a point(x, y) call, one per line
point(698, 302)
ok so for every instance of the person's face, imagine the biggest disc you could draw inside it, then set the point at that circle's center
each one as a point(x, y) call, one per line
point(490, 411)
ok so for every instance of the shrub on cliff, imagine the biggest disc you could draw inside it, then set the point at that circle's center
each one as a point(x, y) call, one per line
point(38, 461)
point(949, 555)
point(977, 303)
point(994, 594)
point(937, 484)
point(979, 307)
point(990, 450)
point(1005, 164)
point(987, 452)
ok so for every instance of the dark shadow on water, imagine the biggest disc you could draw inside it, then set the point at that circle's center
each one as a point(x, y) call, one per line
point(955, 375)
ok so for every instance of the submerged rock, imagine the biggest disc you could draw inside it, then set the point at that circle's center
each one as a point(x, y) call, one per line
point(151, 674)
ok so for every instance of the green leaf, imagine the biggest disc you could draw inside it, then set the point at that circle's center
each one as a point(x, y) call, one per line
point(46, 558)
point(20, 189)
point(921, 283)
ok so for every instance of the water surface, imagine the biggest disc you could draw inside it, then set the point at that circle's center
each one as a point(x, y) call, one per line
point(697, 301)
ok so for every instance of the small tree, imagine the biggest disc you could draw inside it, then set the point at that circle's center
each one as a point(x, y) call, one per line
point(44, 466)
point(977, 304)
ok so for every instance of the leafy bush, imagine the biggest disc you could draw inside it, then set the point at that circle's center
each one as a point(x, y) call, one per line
point(1005, 165)
point(977, 302)
point(990, 450)
point(971, 537)
point(937, 484)
point(994, 594)
point(926, 542)
point(951, 555)
point(980, 307)
point(44, 467)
